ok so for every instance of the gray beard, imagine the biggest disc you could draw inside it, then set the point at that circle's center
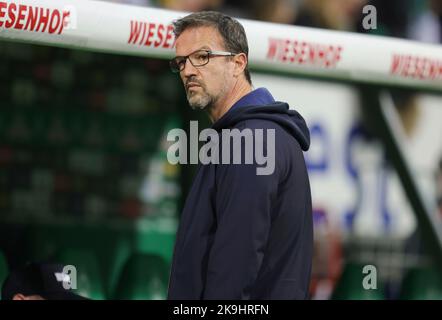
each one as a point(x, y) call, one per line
point(200, 102)
point(205, 101)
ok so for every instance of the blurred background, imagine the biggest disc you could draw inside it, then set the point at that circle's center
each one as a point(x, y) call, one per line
point(84, 176)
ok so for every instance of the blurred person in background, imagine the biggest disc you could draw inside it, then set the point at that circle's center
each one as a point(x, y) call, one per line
point(427, 26)
point(242, 235)
point(191, 5)
point(238, 9)
point(330, 14)
point(142, 3)
point(38, 281)
point(392, 18)
point(277, 11)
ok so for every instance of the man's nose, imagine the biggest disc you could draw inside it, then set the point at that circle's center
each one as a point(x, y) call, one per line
point(189, 69)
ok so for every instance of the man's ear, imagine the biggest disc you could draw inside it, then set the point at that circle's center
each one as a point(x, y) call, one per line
point(240, 63)
point(18, 296)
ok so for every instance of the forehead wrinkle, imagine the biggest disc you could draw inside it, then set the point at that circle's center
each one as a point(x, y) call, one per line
point(204, 37)
point(201, 48)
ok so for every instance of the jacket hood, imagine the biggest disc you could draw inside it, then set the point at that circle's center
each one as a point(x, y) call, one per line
point(277, 112)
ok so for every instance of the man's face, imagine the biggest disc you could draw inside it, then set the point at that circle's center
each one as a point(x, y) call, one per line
point(207, 84)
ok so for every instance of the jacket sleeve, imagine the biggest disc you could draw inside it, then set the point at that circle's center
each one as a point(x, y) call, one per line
point(243, 213)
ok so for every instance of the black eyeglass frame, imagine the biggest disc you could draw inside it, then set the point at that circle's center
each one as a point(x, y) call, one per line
point(179, 66)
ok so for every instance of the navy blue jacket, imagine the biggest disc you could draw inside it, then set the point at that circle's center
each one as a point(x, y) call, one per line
point(243, 235)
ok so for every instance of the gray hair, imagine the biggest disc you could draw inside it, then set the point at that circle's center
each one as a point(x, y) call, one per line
point(232, 32)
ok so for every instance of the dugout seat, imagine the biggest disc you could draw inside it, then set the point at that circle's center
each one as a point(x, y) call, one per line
point(89, 278)
point(422, 284)
point(350, 285)
point(144, 277)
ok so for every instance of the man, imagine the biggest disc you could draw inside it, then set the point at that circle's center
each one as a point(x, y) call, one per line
point(241, 235)
point(38, 281)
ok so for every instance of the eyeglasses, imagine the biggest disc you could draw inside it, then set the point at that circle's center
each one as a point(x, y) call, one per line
point(197, 59)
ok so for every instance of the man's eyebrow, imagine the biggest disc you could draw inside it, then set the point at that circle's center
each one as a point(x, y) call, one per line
point(205, 47)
